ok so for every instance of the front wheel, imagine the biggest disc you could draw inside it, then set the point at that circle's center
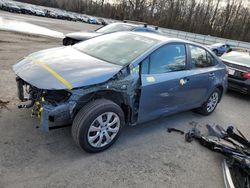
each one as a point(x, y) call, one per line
point(209, 106)
point(97, 125)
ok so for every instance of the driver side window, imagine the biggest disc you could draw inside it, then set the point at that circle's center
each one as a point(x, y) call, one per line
point(169, 58)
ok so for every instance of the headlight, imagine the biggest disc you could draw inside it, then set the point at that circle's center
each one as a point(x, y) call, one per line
point(56, 96)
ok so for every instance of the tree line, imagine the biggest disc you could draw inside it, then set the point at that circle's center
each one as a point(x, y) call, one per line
point(222, 18)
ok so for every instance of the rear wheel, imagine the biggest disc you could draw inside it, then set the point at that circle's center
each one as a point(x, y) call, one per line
point(97, 125)
point(209, 106)
point(215, 51)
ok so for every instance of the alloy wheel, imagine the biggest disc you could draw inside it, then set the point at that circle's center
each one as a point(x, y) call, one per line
point(103, 129)
point(212, 102)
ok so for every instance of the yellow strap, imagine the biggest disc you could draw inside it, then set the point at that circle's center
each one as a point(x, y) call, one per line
point(51, 71)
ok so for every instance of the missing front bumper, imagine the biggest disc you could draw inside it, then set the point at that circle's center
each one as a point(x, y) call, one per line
point(53, 116)
point(52, 108)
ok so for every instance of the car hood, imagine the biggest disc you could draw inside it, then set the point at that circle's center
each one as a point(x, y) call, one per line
point(64, 68)
point(82, 35)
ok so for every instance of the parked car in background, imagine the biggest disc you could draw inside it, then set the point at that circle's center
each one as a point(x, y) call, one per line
point(238, 64)
point(102, 21)
point(51, 14)
point(84, 18)
point(101, 84)
point(25, 9)
point(220, 48)
point(11, 7)
point(2, 4)
point(92, 20)
point(39, 12)
point(73, 38)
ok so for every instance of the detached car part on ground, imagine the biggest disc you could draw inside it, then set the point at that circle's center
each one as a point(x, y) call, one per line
point(116, 79)
point(238, 64)
point(73, 38)
point(236, 148)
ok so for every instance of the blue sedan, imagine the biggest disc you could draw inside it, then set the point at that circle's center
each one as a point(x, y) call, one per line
point(101, 84)
point(220, 48)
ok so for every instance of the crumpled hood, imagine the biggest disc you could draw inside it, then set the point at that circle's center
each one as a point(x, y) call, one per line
point(82, 35)
point(64, 68)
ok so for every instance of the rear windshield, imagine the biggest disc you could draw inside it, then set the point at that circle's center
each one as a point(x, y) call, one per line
point(242, 58)
point(116, 48)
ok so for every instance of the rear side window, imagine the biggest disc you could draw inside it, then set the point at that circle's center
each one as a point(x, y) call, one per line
point(200, 58)
point(171, 57)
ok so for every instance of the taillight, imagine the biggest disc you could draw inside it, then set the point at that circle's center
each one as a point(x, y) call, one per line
point(246, 75)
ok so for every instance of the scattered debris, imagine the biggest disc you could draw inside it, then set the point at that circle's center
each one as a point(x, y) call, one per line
point(233, 145)
point(175, 130)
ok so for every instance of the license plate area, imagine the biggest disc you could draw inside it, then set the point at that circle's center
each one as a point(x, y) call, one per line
point(231, 71)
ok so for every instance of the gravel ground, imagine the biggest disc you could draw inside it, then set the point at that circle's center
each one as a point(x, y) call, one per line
point(144, 156)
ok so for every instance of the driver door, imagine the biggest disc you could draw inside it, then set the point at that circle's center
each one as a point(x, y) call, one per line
point(164, 82)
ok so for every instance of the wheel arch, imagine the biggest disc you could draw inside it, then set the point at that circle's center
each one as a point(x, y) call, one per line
point(120, 98)
point(221, 88)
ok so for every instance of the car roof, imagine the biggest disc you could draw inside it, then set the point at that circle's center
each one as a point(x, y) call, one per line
point(136, 25)
point(121, 23)
point(163, 38)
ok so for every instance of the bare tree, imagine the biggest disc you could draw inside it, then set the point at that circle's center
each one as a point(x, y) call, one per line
point(229, 18)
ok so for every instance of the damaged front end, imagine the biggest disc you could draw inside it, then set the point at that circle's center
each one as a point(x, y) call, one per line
point(50, 106)
point(56, 108)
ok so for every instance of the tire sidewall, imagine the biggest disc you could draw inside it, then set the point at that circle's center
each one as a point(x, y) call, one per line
point(83, 137)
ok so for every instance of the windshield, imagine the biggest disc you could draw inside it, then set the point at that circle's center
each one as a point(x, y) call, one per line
point(242, 58)
point(115, 27)
point(116, 48)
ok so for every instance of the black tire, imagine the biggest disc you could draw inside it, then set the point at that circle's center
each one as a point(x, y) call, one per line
point(69, 41)
point(204, 108)
point(66, 41)
point(87, 115)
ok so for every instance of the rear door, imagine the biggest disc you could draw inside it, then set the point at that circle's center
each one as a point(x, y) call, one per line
point(202, 73)
point(164, 82)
